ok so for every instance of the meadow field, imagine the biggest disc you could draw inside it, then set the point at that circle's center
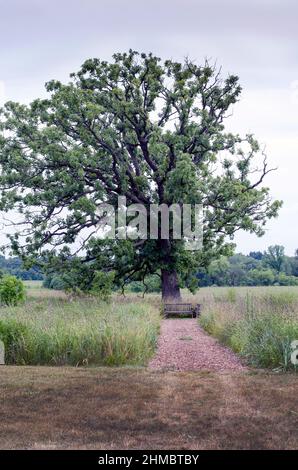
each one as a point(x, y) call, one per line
point(51, 329)
point(257, 323)
point(49, 404)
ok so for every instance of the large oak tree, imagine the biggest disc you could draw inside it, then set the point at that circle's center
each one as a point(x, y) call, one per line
point(149, 130)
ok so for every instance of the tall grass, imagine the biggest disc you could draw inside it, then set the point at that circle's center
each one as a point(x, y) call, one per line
point(259, 326)
point(56, 332)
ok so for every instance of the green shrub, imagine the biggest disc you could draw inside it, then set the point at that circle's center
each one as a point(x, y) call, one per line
point(54, 281)
point(283, 280)
point(102, 284)
point(12, 290)
point(151, 283)
point(261, 277)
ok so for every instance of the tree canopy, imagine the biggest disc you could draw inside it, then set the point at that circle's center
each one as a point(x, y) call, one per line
point(138, 127)
point(274, 257)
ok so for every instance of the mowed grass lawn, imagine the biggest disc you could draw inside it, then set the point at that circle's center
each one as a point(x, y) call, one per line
point(131, 407)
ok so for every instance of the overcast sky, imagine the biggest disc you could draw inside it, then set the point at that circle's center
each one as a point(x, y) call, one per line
point(256, 40)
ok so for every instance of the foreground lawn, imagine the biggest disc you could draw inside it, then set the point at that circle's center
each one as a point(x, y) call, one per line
point(101, 408)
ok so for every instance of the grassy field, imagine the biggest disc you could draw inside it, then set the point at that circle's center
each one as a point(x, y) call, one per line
point(50, 329)
point(257, 323)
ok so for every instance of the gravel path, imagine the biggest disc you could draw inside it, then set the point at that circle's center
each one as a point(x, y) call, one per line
point(183, 345)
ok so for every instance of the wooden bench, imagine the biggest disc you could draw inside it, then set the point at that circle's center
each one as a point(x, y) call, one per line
point(181, 309)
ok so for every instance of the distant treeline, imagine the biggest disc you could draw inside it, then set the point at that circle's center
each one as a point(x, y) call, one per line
point(271, 267)
point(15, 267)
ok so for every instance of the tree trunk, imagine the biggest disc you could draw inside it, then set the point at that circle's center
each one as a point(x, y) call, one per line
point(170, 286)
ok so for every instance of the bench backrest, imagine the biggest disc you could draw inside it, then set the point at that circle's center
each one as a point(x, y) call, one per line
point(178, 308)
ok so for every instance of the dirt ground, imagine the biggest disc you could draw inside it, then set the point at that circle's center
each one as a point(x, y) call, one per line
point(129, 408)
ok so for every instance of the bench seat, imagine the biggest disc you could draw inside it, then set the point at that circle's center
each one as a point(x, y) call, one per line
point(181, 309)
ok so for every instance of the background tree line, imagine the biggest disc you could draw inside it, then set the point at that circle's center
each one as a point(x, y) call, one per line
point(271, 267)
point(14, 266)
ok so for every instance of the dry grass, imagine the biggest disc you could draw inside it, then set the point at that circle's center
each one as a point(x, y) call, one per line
point(203, 294)
point(126, 408)
point(35, 290)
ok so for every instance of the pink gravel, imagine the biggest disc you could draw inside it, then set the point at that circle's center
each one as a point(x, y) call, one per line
point(183, 345)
